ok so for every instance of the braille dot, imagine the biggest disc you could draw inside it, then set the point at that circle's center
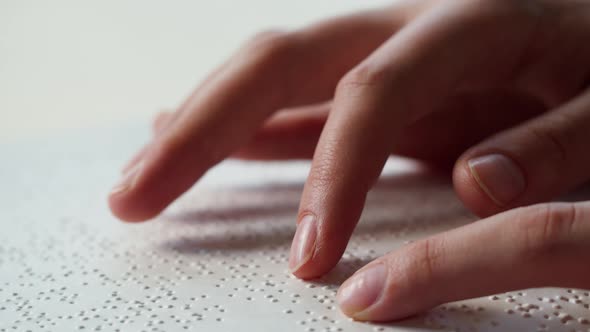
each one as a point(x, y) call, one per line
point(205, 264)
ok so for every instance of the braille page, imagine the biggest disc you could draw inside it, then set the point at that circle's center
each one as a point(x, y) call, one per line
point(217, 259)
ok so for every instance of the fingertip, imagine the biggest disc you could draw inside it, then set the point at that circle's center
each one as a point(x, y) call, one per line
point(127, 199)
point(311, 270)
point(308, 259)
point(129, 209)
point(121, 212)
point(362, 291)
point(305, 274)
point(377, 293)
point(318, 265)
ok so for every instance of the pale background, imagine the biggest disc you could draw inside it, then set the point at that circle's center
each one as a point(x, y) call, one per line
point(76, 64)
point(79, 81)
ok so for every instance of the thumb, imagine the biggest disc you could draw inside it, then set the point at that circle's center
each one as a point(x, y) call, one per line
point(533, 162)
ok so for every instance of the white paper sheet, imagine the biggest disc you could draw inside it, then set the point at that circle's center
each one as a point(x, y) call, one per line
point(217, 260)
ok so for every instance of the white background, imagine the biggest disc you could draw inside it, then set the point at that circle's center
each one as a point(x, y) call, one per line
point(77, 64)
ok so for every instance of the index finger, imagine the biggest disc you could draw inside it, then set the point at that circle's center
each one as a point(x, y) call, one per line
point(442, 52)
point(272, 72)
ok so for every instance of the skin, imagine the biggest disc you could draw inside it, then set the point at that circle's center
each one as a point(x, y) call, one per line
point(442, 81)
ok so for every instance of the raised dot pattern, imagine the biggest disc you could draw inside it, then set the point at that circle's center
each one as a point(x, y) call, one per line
point(217, 260)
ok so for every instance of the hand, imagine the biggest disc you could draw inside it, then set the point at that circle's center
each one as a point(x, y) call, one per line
point(428, 79)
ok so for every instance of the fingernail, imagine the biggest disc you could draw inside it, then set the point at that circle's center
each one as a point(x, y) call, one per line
point(129, 179)
point(362, 290)
point(303, 242)
point(499, 177)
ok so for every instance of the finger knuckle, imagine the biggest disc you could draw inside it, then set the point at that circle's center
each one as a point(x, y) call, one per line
point(264, 35)
point(160, 120)
point(364, 76)
point(271, 45)
point(521, 8)
point(545, 226)
point(552, 139)
point(426, 257)
point(479, 14)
